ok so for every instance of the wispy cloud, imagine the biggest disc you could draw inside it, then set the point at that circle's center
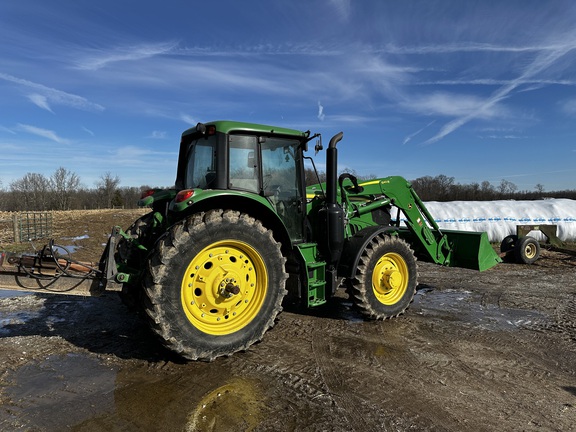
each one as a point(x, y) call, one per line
point(466, 47)
point(45, 133)
point(568, 107)
point(98, 59)
point(88, 131)
point(409, 137)
point(543, 61)
point(451, 105)
point(130, 152)
point(342, 8)
point(48, 95)
point(188, 119)
point(534, 84)
point(321, 115)
point(40, 101)
point(158, 135)
point(5, 129)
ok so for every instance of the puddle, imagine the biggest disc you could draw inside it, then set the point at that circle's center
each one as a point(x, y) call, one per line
point(65, 250)
point(79, 392)
point(17, 308)
point(232, 406)
point(9, 294)
point(465, 307)
point(59, 392)
point(82, 237)
point(9, 319)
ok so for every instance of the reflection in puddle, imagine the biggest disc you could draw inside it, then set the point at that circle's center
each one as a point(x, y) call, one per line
point(235, 406)
point(78, 392)
point(466, 307)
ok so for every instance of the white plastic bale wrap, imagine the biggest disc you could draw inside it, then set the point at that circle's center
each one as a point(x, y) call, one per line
point(500, 218)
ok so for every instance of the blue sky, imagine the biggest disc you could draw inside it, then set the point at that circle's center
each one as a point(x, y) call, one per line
point(476, 90)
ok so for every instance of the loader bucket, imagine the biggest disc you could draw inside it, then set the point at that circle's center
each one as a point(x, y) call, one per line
point(471, 250)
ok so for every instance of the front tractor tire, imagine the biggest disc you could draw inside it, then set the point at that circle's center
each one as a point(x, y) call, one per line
point(215, 284)
point(386, 278)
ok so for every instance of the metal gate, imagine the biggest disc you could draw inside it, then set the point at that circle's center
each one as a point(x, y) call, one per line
point(32, 226)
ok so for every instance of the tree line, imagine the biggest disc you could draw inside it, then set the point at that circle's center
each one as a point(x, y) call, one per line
point(63, 191)
point(445, 188)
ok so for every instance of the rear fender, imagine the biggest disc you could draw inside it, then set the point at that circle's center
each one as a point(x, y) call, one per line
point(254, 205)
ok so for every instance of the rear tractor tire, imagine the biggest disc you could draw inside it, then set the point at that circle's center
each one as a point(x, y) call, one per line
point(386, 278)
point(214, 284)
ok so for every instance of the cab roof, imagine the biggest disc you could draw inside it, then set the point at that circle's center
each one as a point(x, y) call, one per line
point(228, 126)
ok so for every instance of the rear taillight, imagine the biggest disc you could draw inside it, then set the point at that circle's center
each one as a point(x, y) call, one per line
point(183, 195)
point(147, 193)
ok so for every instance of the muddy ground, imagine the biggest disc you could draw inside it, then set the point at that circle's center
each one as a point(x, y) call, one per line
point(476, 351)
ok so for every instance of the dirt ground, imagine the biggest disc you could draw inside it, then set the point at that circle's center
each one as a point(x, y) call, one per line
point(485, 351)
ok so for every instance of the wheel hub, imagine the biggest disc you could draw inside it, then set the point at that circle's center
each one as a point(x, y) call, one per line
point(224, 287)
point(229, 288)
point(390, 278)
point(530, 251)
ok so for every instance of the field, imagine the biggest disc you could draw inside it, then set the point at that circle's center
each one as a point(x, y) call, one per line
point(476, 351)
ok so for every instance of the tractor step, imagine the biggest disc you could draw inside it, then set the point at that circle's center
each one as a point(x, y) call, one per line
point(315, 274)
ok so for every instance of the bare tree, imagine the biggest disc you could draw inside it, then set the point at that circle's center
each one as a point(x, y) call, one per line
point(31, 191)
point(507, 188)
point(487, 190)
point(311, 177)
point(539, 188)
point(63, 184)
point(437, 188)
point(107, 187)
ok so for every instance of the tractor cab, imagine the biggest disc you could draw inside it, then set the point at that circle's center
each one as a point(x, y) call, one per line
point(244, 159)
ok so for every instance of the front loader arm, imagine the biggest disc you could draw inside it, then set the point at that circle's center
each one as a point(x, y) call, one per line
point(425, 233)
point(453, 248)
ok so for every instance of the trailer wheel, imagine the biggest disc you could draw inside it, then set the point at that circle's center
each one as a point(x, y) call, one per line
point(386, 278)
point(508, 243)
point(215, 284)
point(527, 250)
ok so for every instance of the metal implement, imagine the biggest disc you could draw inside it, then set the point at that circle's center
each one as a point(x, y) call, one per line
point(522, 248)
point(51, 271)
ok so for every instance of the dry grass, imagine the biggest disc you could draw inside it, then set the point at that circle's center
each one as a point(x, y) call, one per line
point(86, 231)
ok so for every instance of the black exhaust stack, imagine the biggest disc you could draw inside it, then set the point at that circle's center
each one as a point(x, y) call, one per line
point(332, 216)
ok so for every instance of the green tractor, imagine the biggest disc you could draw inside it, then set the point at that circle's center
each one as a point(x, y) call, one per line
point(241, 233)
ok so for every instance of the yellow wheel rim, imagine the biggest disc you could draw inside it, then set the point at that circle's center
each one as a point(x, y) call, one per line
point(224, 287)
point(530, 250)
point(390, 278)
point(236, 405)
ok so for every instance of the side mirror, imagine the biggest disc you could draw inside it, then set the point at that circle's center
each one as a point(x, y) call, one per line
point(251, 160)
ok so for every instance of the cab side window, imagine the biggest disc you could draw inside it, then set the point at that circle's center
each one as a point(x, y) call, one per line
point(243, 159)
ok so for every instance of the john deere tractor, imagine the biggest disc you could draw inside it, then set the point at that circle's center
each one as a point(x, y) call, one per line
point(240, 233)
